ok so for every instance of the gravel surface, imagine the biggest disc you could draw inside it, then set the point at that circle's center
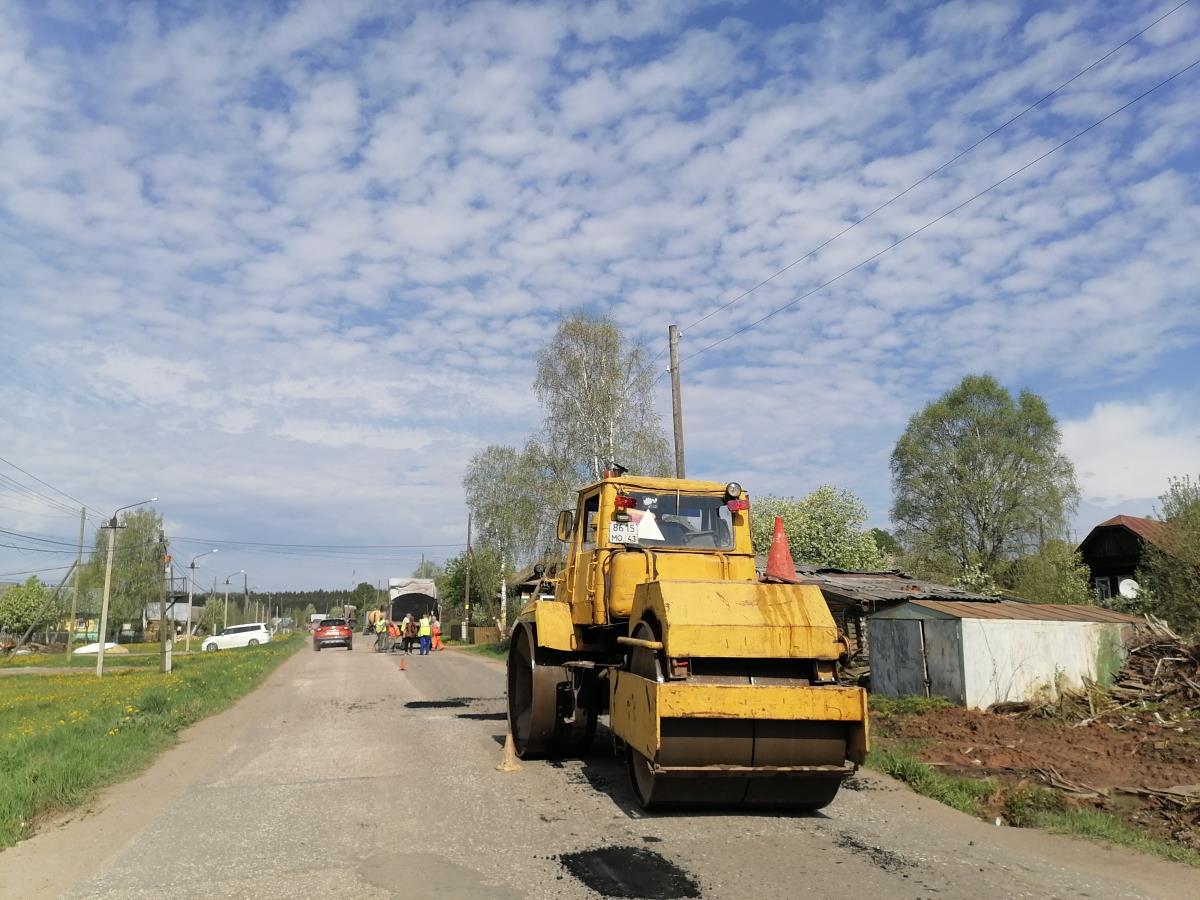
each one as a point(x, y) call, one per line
point(344, 776)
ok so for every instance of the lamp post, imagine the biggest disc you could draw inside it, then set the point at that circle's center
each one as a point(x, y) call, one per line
point(112, 526)
point(225, 621)
point(187, 641)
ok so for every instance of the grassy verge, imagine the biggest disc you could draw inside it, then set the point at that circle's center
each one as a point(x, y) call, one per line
point(498, 650)
point(1022, 806)
point(82, 661)
point(63, 736)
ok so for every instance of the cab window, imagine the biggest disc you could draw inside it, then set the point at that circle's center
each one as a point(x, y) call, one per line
point(590, 521)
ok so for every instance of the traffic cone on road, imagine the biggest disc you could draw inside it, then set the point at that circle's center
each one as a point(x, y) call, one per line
point(780, 566)
point(509, 762)
point(403, 668)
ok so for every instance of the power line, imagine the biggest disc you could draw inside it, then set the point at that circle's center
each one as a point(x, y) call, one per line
point(26, 493)
point(931, 174)
point(35, 571)
point(939, 218)
point(318, 546)
point(35, 537)
point(43, 483)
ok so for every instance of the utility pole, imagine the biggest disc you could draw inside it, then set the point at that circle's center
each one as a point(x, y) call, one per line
point(676, 400)
point(467, 587)
point(112, 541)
point(503, 601)
point(187, 635)
point(75, 589)
point(112, 526)
point(164, 642)
point(187, 638)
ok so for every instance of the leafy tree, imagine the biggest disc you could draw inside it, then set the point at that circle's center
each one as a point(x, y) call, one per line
point(823, 528)
point(504, 504)
point(888, 546)
point(485, 583)
point(978, 479)
point(1054, 574)
point(212, 619)
point(137, 576)
point(22, 606)
point(596, 386)
point(977, 581)
point(427, 569)
point(1171, 567)
point(365, 596)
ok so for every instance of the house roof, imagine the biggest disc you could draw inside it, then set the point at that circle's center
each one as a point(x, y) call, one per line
point(1046, 612)
point(1150, 530)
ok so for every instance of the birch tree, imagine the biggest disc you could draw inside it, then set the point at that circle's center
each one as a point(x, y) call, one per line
point(596, 386)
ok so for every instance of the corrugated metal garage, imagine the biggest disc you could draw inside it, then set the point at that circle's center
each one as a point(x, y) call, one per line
point(978, 654)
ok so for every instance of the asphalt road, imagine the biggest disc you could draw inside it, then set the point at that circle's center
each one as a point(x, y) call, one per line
point(346, 777)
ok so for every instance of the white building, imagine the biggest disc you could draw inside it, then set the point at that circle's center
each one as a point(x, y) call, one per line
point(978, 654)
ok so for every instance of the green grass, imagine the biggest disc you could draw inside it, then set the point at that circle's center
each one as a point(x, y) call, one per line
point(83, 661)
point(891, 707)
point(964, 794)
point(62, 737)
point(498, 650)
point(1022, 806)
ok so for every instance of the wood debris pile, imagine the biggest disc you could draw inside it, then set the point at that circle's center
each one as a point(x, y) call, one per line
point(1155, 696)
point(1163, 668)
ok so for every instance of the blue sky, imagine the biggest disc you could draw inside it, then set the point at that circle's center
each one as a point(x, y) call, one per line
point(286, 265)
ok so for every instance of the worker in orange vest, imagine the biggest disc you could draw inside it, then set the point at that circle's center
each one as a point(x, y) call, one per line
point(436, 627)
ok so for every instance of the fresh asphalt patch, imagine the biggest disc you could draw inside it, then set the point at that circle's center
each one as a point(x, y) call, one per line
point(630, 872)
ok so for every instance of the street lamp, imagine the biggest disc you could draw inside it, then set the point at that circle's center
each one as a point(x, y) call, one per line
point(227, 577)
point(187, 641)
point(112, 541)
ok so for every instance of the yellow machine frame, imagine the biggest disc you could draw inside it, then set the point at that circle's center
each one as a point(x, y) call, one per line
point(679, 612)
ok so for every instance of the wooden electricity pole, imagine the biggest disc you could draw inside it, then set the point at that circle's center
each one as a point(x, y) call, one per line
point(75, 589)
point(467, 587)
point(164, 640)
point(676, 400)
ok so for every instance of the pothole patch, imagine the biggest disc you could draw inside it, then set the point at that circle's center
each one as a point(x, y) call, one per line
point(885, 859)
point(630, 872)
point(434, 704)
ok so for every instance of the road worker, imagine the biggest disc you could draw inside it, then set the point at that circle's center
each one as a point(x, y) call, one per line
point(436, 627)
point(380, 633)
point(393, 631)
point(425, 633)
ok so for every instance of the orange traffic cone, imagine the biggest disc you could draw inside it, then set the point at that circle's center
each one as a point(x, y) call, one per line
point(403, 668)
point(780, 566)
point(509, 762)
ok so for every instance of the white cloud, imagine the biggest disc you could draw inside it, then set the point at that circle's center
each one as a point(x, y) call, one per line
point(273, 243)
point(1126, 451)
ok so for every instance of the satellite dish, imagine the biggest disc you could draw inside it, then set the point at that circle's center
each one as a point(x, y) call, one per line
point(1128, 588)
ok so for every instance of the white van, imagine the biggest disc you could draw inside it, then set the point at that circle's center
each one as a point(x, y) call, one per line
point(239, 636)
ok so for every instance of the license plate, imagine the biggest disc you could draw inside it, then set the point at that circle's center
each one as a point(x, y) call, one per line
point(622, 533)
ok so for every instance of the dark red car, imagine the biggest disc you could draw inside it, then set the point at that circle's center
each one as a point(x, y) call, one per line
point(333, 633)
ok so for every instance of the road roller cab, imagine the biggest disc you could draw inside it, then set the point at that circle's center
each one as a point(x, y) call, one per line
point(721, 689)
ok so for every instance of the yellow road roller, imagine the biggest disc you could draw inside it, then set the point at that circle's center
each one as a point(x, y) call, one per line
point(720, 688)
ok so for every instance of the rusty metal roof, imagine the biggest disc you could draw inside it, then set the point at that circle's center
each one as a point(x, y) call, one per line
point(871, 589)
point(1150, 530)
point(1012, 610)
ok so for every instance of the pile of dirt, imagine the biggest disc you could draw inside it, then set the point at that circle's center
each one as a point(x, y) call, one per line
point(1132, 749)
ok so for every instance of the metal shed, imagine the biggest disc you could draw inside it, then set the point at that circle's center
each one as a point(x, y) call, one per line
point(977, 654)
